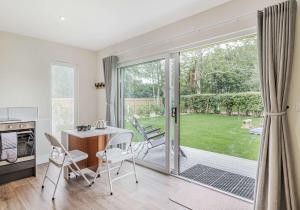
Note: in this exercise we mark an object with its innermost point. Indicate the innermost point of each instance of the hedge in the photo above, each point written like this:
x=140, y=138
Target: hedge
x=247, y=103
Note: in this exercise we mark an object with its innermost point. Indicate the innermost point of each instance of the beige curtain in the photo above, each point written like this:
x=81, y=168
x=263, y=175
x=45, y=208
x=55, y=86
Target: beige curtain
x=110, y=77
x=276, y=29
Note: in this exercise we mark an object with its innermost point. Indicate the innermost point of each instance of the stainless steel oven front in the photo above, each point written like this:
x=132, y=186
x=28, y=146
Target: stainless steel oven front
x=24, y=164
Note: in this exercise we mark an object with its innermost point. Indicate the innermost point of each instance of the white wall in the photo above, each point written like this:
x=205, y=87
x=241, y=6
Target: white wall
x=25, y=79
x=243, y=16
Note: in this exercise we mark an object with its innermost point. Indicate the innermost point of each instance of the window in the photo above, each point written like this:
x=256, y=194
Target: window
x=62, y=97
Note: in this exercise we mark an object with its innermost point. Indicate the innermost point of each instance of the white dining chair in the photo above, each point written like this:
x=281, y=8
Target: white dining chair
x=117, y=150
x=60, y=158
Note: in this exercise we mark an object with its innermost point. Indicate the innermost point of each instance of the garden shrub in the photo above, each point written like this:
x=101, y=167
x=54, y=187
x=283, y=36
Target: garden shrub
x=241, y=103
x=228, y=101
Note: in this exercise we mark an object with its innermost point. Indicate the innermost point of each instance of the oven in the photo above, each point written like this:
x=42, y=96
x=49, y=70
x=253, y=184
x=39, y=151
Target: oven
x=21, y=146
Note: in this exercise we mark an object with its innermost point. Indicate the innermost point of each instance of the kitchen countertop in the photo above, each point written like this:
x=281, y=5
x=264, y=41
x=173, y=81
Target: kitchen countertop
x=5, y=121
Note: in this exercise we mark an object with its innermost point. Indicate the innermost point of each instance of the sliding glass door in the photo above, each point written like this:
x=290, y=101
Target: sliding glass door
x=143, y=105
x=198, y=114
x=218, y=110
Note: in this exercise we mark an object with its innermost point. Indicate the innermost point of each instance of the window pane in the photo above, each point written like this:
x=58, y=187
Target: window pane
x=144, y=109
x=62, y=82
x=62, y=98
x=221, y=113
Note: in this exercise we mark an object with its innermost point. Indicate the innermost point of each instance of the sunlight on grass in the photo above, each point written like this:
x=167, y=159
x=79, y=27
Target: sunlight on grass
x=215, y=133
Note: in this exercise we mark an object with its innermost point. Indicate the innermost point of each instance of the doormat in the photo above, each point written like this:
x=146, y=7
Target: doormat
x=236, y=184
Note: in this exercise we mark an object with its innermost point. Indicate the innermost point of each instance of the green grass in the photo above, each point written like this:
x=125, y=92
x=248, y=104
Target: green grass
x=216, y=133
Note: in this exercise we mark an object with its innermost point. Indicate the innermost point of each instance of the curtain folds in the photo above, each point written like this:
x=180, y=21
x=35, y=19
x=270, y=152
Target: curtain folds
x=110, y=77
x=275, y=36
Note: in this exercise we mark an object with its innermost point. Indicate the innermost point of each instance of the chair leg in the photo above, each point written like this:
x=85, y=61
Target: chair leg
x=56, y=184
x=47, y=169
x=133, y=163
x=43, y=185
x=141, y=149
x=82, y=174
x=146, y=153
x=72, y=170
x=109, y=178
x=182, y=153
x=148, y=146
x=97, y=174
x=120, y=167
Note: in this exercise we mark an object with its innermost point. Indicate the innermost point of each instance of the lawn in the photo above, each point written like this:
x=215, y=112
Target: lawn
x=216, y=133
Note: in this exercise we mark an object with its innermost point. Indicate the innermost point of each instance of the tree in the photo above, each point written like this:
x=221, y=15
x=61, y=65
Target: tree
x=220, y=68
x=228, y=67
x=145, y=80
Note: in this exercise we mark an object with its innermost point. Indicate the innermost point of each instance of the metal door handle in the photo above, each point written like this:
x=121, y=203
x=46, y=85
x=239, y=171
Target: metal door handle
x=174, y=113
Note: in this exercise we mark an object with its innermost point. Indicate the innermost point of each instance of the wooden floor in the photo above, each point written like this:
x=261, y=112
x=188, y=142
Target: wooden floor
x=151, y=193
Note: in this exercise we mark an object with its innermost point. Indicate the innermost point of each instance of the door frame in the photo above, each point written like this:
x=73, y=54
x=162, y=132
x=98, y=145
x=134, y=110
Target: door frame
x=176, y=79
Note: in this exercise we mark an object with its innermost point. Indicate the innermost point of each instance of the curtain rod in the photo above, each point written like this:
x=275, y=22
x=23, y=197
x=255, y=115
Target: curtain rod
x=236, y=19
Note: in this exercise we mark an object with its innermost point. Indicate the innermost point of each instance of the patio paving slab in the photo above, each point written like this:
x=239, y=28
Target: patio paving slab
x=194, y=156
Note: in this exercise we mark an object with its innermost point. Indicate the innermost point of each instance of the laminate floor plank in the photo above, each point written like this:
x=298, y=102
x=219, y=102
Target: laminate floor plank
x=151, y=193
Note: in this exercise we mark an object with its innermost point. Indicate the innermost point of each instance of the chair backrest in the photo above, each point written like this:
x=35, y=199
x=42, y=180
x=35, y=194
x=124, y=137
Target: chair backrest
x=133, y=122
x=55, y=143
x=139, y=127
x=123, y=139
x=136, y=122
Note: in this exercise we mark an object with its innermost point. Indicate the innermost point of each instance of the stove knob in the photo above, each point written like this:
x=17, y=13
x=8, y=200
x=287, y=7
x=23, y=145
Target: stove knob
x=10, y=127
x=21, y=126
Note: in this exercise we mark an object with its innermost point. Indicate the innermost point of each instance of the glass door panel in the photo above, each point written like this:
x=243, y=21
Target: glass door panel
x=143, y=106
x=220, y=116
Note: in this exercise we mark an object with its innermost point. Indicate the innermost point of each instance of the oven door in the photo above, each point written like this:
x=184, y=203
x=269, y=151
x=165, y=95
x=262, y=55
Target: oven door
x=25, y=143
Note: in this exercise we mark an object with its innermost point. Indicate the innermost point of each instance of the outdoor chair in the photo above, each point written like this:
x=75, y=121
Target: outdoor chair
x=153, y=137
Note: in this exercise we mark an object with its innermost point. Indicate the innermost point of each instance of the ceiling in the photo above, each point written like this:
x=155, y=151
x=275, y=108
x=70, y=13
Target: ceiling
x=94, y=24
